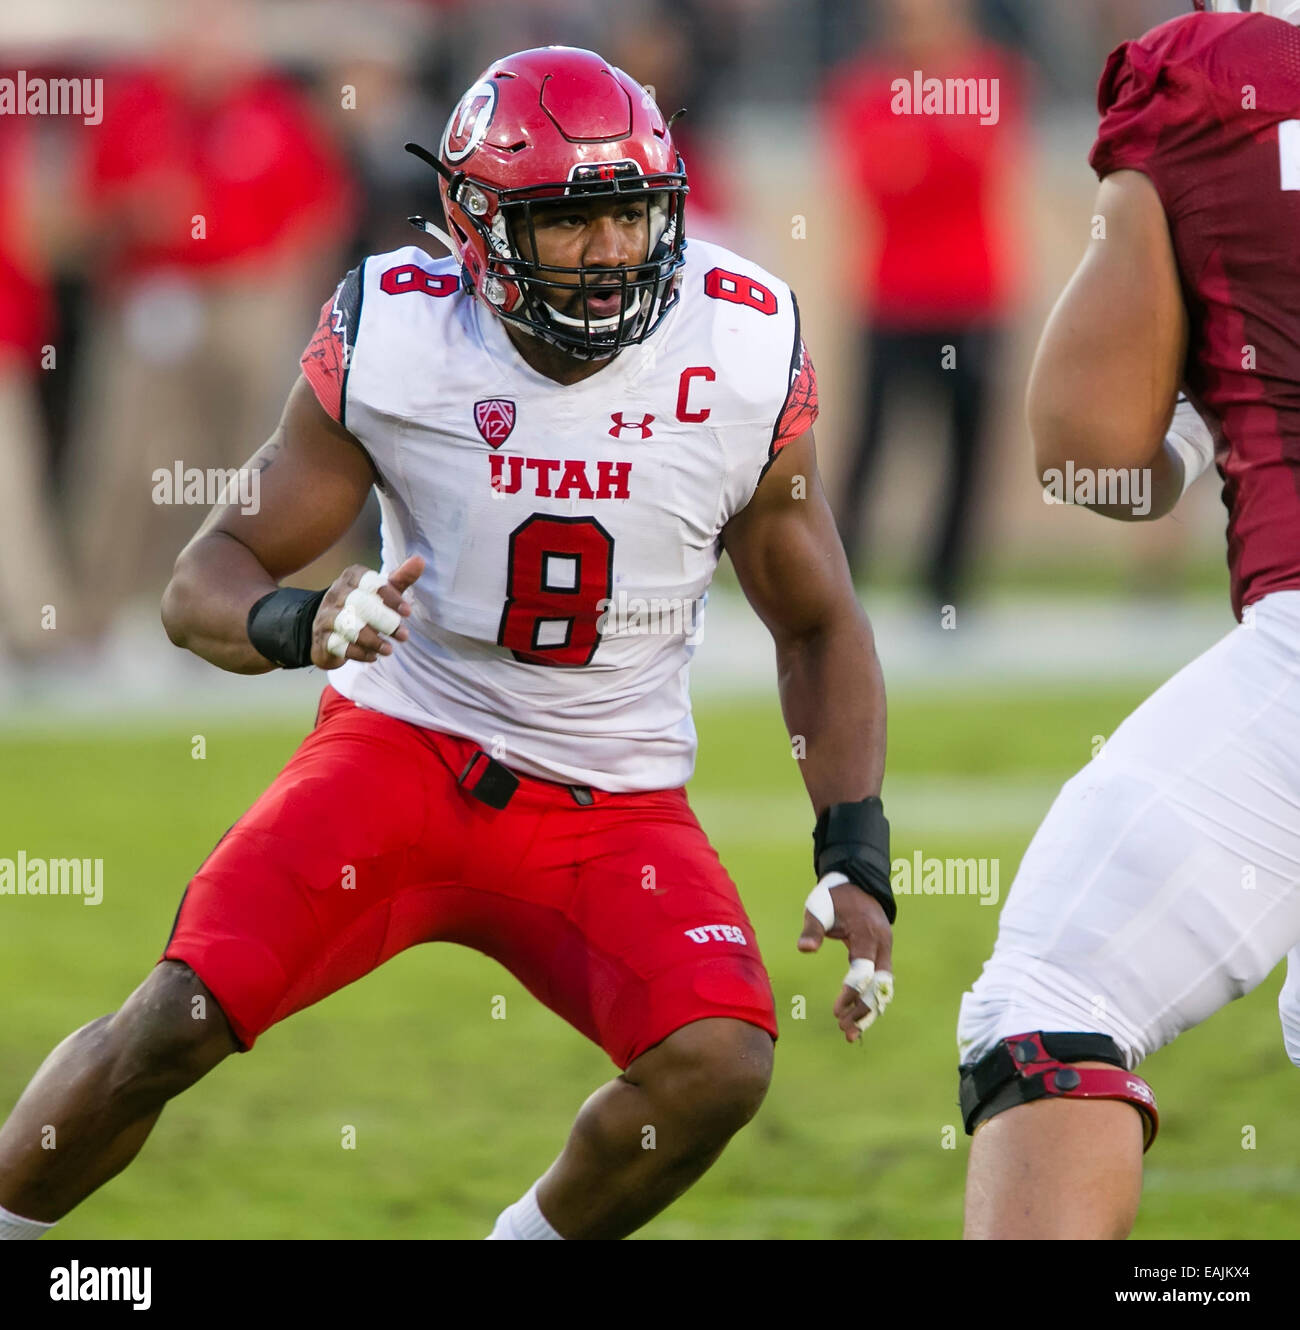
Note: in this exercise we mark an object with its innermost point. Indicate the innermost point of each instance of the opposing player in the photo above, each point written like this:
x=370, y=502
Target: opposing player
x=567, y=422
x=1164, y=881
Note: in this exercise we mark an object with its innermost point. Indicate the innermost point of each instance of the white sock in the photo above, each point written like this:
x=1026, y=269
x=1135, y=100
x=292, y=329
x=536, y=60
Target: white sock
x=14, y=1228
x=523, y=1221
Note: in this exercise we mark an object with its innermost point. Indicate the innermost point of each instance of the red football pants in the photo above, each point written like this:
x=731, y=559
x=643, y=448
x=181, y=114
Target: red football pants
x=617, y=915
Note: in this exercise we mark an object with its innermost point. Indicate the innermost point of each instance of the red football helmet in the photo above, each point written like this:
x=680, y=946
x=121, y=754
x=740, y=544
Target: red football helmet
x=552, y=123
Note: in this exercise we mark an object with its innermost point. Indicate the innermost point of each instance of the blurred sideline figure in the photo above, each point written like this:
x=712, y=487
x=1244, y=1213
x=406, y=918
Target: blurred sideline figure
x=214, y=203
x=935, y=280
x=34, y=586
x=676, y=48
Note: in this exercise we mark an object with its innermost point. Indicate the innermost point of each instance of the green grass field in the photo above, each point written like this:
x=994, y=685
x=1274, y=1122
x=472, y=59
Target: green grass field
x=456, y=1113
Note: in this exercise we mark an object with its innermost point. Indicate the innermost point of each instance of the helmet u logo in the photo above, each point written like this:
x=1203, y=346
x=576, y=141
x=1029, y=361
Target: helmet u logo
x=469, y=122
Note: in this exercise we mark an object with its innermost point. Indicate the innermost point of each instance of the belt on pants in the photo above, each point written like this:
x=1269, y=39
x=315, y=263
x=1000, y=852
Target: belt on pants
x=491, y=783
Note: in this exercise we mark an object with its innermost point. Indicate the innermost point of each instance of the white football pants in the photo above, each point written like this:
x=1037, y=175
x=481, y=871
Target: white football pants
x=1165, y=879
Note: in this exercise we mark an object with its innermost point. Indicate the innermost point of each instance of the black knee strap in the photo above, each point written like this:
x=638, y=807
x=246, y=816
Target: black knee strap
x=1033, y=1066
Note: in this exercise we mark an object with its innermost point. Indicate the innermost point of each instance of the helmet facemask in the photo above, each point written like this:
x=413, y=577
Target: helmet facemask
x=523, y=291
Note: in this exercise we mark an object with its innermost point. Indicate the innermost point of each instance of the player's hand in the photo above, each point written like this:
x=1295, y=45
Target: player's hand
x=369, y=626
x=860, y=923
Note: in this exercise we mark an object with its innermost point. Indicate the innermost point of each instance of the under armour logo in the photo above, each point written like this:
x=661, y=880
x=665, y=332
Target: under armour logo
x=620, y=425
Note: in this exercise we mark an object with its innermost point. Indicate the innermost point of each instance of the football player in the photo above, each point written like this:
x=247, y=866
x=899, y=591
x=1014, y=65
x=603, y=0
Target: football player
x=1163, y=882
x=567, y=421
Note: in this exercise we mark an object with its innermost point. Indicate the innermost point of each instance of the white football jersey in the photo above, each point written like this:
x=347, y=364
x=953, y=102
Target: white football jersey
x=569, y=532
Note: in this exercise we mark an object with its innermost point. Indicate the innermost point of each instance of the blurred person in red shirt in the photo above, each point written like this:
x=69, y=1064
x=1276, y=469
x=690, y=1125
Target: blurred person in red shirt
x=214, y=199
x=674, y=47
x=929, y=164
x=34, y=587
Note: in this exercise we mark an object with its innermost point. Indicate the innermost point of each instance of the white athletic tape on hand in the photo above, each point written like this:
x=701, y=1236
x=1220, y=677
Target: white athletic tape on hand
x=372, y=610
x=875, y=987
x=877, y=993
x=819, y=903
x=348, y=623
x=361, y=608
x=861, y=975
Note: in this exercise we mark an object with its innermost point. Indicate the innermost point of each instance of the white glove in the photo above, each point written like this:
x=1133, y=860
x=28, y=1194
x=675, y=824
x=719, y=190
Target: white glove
x=362, y=608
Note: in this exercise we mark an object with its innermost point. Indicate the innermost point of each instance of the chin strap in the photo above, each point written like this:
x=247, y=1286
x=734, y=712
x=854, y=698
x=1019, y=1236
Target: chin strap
x=599, y=325
x=424, y=224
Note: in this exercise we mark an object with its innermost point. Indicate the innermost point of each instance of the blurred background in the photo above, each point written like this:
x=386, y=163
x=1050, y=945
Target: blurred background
x=926, y=253
x=128, y=342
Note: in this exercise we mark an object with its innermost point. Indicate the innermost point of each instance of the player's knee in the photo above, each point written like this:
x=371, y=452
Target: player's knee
x=1005, y=1001
x=715, y=1073
x=168, y=1034
x=1037, y=1065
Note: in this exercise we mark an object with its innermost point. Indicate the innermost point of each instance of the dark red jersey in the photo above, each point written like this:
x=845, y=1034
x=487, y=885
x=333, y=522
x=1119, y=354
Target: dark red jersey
x=1208, y=108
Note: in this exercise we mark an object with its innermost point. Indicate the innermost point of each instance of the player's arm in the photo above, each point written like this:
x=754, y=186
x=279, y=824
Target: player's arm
x=313, y=478
x=1108, y=368
x=791, y=566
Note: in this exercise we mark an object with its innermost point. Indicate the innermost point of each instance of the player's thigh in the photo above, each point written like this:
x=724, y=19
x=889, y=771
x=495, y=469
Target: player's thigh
x=1162, y=883
x=644, y=931
x=328, y=875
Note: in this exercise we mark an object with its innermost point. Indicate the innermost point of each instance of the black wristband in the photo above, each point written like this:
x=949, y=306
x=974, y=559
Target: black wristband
x=853, y=839
x=280, y=624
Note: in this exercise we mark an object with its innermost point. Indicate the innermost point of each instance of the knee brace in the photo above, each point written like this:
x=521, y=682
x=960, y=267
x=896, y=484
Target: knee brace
x=1033, y=1066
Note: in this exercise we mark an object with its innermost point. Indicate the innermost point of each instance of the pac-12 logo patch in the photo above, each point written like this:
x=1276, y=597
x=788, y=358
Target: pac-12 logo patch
x=495, y=418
